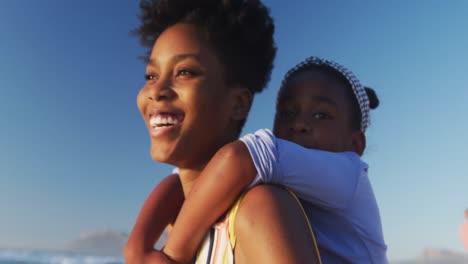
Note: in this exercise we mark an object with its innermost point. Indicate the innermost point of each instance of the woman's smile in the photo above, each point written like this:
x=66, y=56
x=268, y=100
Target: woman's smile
x=163, y=122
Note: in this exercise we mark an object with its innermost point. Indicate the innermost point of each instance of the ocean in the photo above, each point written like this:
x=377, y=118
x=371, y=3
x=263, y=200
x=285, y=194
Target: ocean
x=14, y=256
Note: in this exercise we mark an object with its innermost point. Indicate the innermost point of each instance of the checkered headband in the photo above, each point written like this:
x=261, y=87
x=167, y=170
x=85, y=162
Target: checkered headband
x=358, y=89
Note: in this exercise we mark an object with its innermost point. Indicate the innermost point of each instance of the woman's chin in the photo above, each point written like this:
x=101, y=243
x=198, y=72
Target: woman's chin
x=160, y=154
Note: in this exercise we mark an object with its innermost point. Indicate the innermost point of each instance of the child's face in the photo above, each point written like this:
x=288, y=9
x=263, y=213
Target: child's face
x=313, y=111
x=185, y=101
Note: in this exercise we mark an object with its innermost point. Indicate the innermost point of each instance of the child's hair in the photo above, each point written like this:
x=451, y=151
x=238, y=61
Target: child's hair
x=240, y=31
x=362, y=98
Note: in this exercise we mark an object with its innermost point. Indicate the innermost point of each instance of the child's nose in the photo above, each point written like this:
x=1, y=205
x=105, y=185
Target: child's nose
x=300, y=125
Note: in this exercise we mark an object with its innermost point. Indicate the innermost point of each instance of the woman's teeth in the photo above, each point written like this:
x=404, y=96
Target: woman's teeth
x=163, y=120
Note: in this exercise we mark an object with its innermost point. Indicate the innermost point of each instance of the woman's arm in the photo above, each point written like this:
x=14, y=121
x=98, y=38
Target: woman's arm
x=271, y=227
x=160, y=208
x=229, y=171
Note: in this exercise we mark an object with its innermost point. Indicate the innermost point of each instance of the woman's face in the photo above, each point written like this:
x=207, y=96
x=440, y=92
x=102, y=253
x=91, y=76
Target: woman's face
x=313, y=111
x=185, y=102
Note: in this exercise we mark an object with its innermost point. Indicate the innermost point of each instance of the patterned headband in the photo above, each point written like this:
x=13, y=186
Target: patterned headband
x=358, y=89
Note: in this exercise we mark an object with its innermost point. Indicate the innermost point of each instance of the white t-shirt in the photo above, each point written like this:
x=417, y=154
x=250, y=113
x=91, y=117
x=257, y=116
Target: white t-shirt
x=335, y=191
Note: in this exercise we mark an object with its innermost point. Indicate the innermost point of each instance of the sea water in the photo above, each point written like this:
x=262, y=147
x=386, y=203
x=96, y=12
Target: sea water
x=15, y=256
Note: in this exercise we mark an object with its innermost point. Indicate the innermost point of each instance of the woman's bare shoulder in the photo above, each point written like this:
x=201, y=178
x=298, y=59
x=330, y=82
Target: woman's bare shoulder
x=264, y=203
x=271, y=227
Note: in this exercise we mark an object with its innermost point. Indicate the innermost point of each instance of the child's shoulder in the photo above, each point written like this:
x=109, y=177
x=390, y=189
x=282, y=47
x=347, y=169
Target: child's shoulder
x=263, y=132
x=262, y=136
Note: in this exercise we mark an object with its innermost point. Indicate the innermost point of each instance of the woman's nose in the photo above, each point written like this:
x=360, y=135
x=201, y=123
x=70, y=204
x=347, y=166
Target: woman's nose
x=160, y=90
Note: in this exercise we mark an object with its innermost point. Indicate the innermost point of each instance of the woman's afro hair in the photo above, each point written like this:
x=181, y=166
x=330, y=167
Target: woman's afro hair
x=240, y=31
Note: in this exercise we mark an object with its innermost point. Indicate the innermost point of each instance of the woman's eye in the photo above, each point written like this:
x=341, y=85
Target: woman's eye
x=185, y=73
x=150, y=77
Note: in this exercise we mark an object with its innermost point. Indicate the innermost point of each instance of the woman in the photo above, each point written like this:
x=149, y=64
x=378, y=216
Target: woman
x=208, y=59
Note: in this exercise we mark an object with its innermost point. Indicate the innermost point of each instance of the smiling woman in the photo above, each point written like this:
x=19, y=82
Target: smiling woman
x=207, y=60
x=181, y=87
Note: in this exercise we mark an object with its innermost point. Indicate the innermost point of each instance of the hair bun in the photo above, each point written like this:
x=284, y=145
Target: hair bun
x=373, y=99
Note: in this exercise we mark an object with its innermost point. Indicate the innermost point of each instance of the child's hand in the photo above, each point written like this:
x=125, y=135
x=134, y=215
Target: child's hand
x=159, y=257
x=150, y=257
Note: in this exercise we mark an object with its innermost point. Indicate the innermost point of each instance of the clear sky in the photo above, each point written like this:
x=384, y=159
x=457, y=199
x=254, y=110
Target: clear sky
x=74, y=152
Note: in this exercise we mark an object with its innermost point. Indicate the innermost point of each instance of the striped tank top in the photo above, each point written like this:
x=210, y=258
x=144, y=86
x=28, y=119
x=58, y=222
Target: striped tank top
x=219, y=243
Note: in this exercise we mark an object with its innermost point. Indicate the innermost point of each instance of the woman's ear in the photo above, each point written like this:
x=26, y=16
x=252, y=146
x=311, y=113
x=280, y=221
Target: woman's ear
x=242, y=101
x=358, y=142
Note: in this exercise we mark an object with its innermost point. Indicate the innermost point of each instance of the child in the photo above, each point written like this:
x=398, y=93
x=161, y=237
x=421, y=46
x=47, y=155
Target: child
x=464, y=231
x=322, y=114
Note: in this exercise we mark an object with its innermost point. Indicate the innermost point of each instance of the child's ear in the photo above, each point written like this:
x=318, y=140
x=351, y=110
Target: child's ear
x=358, y=142
x=242, y=102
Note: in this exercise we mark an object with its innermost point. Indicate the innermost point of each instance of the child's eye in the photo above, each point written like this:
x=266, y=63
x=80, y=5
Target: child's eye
x=286, y=113
x=321, y=115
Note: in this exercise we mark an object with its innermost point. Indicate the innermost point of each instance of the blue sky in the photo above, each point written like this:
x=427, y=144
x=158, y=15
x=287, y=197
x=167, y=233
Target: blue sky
x=74, y=152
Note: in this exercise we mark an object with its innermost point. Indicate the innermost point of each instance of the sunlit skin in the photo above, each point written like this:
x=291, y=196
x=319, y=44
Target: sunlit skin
x=314, y=111
x=180, y=87
x=191, y=112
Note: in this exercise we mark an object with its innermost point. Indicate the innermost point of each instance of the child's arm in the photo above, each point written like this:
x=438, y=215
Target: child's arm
x=319, y=176
x=160, y=208
x=229, y=171
x=324, y=178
